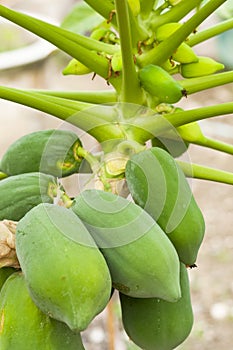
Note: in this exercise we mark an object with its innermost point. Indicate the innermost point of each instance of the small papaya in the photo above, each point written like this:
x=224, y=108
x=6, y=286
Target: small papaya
x=157, y=184
x=160, y=84
x=140, y=257
x=184, y=54
x=65, y=272
x=75, y=67
x=204, y=66
x=165, y=30
x=155, y=324
x=24, y=326
x=20, y=193
x=47, y=151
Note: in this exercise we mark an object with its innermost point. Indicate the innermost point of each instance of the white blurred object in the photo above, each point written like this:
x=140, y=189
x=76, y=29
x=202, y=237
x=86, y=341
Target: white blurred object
x=219, y=311
x=34, y=52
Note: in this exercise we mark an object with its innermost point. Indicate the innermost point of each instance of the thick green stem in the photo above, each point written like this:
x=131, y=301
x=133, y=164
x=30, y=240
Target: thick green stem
x=215, y=144
x=164, y=50
x=193, y=85
x=97, y=97
x=105, y=8
x=157, y=124
x=82, y=40
x=211, y=32
x=130, y=91
x=206, y=173
x=97, y=63
x=175, y=14
x=147, y=6
x=83, y=119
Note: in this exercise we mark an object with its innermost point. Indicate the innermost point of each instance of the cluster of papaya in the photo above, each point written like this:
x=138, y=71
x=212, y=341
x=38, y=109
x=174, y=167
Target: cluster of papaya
x=71, y=259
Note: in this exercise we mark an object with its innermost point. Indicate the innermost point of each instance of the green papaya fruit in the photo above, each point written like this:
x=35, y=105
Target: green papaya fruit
x=22, y=192
x=5, y=272
x=155, y=324
x=204, y=66
x=140, y=257
x=66, y=274
x=160, y=84
x=46, y=151
x=75, y=67
x=165, y=30
x=157, y=184
x=184, y=54
x=24, y=326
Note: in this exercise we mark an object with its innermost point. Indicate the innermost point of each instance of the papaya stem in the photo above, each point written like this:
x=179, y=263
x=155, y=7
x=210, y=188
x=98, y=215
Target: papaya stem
x=94, y=97
x=206, y=173
x=194, y=85
x=215, y=144
x=209, y=33
x=164, y=50
x=81, y=152
x=130, y=91
x=175, y=14
x=155, y=125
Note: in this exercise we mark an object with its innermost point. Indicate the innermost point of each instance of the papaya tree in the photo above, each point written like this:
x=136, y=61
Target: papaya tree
x=138, y=230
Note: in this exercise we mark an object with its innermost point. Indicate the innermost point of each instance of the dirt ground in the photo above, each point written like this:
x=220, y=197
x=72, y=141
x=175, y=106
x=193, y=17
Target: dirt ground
x=211, y=281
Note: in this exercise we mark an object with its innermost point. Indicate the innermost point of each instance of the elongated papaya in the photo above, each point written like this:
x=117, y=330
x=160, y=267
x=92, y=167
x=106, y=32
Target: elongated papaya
x=155, y=324
x=66, y=274
x=158, y=185
x=24, y=326
x=141, y=259
x=20, y=193
x=47, y=151
x=160, y=84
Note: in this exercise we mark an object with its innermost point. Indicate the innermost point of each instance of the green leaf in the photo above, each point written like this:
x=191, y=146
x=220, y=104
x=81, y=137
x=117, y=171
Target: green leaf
x=81, y=19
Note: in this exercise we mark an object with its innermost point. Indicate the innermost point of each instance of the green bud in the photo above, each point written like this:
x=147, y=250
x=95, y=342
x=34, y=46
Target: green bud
x=185, y=54
x=164, y=31
x=76, y=68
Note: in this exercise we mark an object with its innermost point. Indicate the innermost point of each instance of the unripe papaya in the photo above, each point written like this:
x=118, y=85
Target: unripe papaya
x=24, y=326
x=47, y=151
x=204, y=66
x=65, y=272
x=76, y=68
x=116, y=62
x=142, y=261
x=184, y=54
x=158, y=185
x=20, y=193
x=167, y=29
x=160, y=84
x=155, y=324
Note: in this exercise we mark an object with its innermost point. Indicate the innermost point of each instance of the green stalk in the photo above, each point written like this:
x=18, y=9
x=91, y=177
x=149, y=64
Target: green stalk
x=147, y=6
x=193, y=85
x=81, y=40
x=175, y=14
x=211, y=32
x=164, y=50
x=130, y=91
x=97, y=97
x=97, y=63
x=206, y=173
x=84, y=120
x=105, y=8
x=90, y=158
x=157, y=124
x=215, y=144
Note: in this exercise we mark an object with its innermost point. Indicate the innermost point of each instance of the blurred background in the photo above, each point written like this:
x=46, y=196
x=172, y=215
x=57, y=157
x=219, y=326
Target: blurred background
x=212, y=282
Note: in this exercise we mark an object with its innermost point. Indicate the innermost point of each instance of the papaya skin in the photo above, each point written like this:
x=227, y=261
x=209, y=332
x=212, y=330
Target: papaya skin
x=46, y=151
x=140, y=258
x=158, y=185
x=155, y=324
x=20, y=193
x=51, y=241
x=25, y=327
